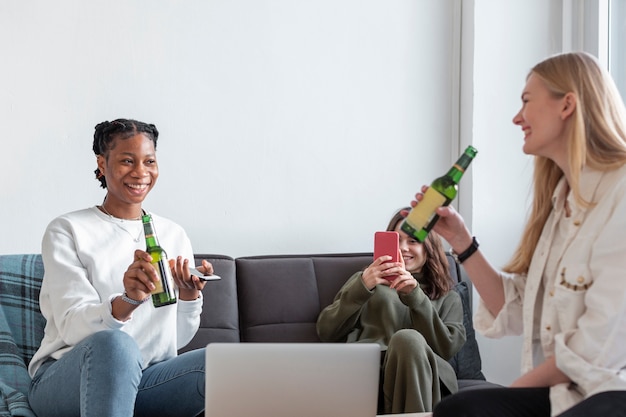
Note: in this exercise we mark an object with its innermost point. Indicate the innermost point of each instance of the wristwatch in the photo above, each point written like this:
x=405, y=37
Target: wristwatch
x=462, y=257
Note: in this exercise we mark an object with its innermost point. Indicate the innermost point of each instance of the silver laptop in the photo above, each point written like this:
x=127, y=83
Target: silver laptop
x=292, y=379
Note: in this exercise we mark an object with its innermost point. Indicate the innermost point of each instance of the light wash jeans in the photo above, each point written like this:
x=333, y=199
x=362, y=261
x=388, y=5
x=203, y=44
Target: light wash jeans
x=102, y=377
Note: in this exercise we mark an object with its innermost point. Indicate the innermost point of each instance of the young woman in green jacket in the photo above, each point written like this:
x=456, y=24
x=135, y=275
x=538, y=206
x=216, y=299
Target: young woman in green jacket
x=416, y=318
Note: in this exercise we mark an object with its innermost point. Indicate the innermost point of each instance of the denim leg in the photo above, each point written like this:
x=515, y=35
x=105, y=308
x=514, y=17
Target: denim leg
x=97, y=378
x=174, y=387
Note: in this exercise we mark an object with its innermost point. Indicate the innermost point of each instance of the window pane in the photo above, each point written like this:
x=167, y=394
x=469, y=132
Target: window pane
x=617, y=40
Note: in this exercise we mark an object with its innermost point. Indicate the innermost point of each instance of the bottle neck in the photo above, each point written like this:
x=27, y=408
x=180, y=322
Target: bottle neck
x=148, y=229
x=458, y=169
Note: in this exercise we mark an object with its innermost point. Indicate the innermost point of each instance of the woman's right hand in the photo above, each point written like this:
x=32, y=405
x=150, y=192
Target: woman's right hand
x=379, y=269
x=140, y=276
x=450, y=225
x=138, y=282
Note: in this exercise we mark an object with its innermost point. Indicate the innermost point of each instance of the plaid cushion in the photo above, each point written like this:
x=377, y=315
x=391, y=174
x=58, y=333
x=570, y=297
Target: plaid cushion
x=21, y=328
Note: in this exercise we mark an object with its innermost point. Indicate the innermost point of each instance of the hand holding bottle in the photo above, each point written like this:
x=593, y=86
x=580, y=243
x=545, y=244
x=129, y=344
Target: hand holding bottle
x=420, y=220
x=140, y=278
x=450, y=225
x=139, y=281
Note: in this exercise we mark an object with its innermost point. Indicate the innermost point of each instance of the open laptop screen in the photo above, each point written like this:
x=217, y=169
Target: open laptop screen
x=292, y=379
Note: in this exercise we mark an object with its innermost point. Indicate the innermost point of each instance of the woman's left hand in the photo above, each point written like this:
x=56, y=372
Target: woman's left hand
x=404, y=283
x=188, y=285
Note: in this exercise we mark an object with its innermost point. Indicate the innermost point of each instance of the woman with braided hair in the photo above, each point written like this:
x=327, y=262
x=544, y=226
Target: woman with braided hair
x=105, y=350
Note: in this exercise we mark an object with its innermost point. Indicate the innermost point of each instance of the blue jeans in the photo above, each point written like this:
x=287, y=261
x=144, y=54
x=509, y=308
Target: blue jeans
x=102, y=377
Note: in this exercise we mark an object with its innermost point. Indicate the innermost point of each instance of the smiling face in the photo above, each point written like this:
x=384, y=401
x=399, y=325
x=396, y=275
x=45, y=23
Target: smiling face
x=412, y=251
x=543, y=119
x=131, y=170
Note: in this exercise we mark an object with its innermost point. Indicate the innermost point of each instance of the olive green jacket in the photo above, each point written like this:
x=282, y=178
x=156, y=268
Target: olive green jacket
x=360, y=315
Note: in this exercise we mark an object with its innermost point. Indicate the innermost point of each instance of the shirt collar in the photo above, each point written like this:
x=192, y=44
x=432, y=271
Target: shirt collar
x=589, y=181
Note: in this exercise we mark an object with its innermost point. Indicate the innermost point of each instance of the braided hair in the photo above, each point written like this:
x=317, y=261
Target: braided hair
x=106, y=132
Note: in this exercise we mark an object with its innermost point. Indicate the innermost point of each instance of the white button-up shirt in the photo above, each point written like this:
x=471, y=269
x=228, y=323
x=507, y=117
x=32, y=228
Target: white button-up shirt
x=572, y=302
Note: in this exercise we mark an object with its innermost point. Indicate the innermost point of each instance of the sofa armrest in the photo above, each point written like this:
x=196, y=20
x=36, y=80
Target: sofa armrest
x=219, y=321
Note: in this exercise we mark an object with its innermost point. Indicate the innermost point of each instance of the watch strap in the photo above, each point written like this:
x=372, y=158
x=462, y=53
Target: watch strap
x=462, y=257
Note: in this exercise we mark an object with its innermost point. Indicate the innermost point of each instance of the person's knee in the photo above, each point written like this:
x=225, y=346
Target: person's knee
x=115, y=347
x=453, y=406
x=407, y=340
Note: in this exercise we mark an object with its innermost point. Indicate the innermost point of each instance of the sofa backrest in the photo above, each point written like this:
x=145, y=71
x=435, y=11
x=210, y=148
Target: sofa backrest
x=280, y=296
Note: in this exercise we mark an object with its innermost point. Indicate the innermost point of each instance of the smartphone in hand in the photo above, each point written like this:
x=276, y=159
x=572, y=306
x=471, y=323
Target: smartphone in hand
x=387, y=243
x=202, y=277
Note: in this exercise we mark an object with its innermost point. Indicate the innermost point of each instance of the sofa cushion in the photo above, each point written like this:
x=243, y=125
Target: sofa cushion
x=467, y=362
x=21, y=328
x=14, y=378
x=278, y=300
x=20, y=284
x=220, y=317
x=280, y=296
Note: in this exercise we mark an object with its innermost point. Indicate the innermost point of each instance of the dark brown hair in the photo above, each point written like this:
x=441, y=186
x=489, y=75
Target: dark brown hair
x=437, y=279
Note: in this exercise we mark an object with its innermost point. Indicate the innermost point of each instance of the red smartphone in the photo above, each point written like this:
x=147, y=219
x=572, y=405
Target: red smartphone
x=387, y=243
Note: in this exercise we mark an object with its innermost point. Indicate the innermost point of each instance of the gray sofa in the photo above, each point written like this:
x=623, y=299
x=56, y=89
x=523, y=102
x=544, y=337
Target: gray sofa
x=277, y=298
x=273, y=298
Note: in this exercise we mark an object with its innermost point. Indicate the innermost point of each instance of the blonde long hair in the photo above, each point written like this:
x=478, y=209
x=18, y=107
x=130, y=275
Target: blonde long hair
x=597, y=139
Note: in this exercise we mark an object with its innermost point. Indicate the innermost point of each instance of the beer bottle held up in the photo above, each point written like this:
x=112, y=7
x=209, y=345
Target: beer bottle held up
x=163, y=294
x=441, y=192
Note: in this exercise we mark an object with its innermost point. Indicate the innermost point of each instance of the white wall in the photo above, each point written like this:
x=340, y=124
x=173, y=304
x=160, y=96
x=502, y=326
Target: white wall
x=509, y=38
x=286, y=127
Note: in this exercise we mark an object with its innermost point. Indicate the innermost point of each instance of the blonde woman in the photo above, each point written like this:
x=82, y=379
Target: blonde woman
x=564, y=289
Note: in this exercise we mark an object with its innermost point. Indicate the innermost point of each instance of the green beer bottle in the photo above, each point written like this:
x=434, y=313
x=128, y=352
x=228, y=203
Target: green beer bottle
x=440, y=193
x=164, y=293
